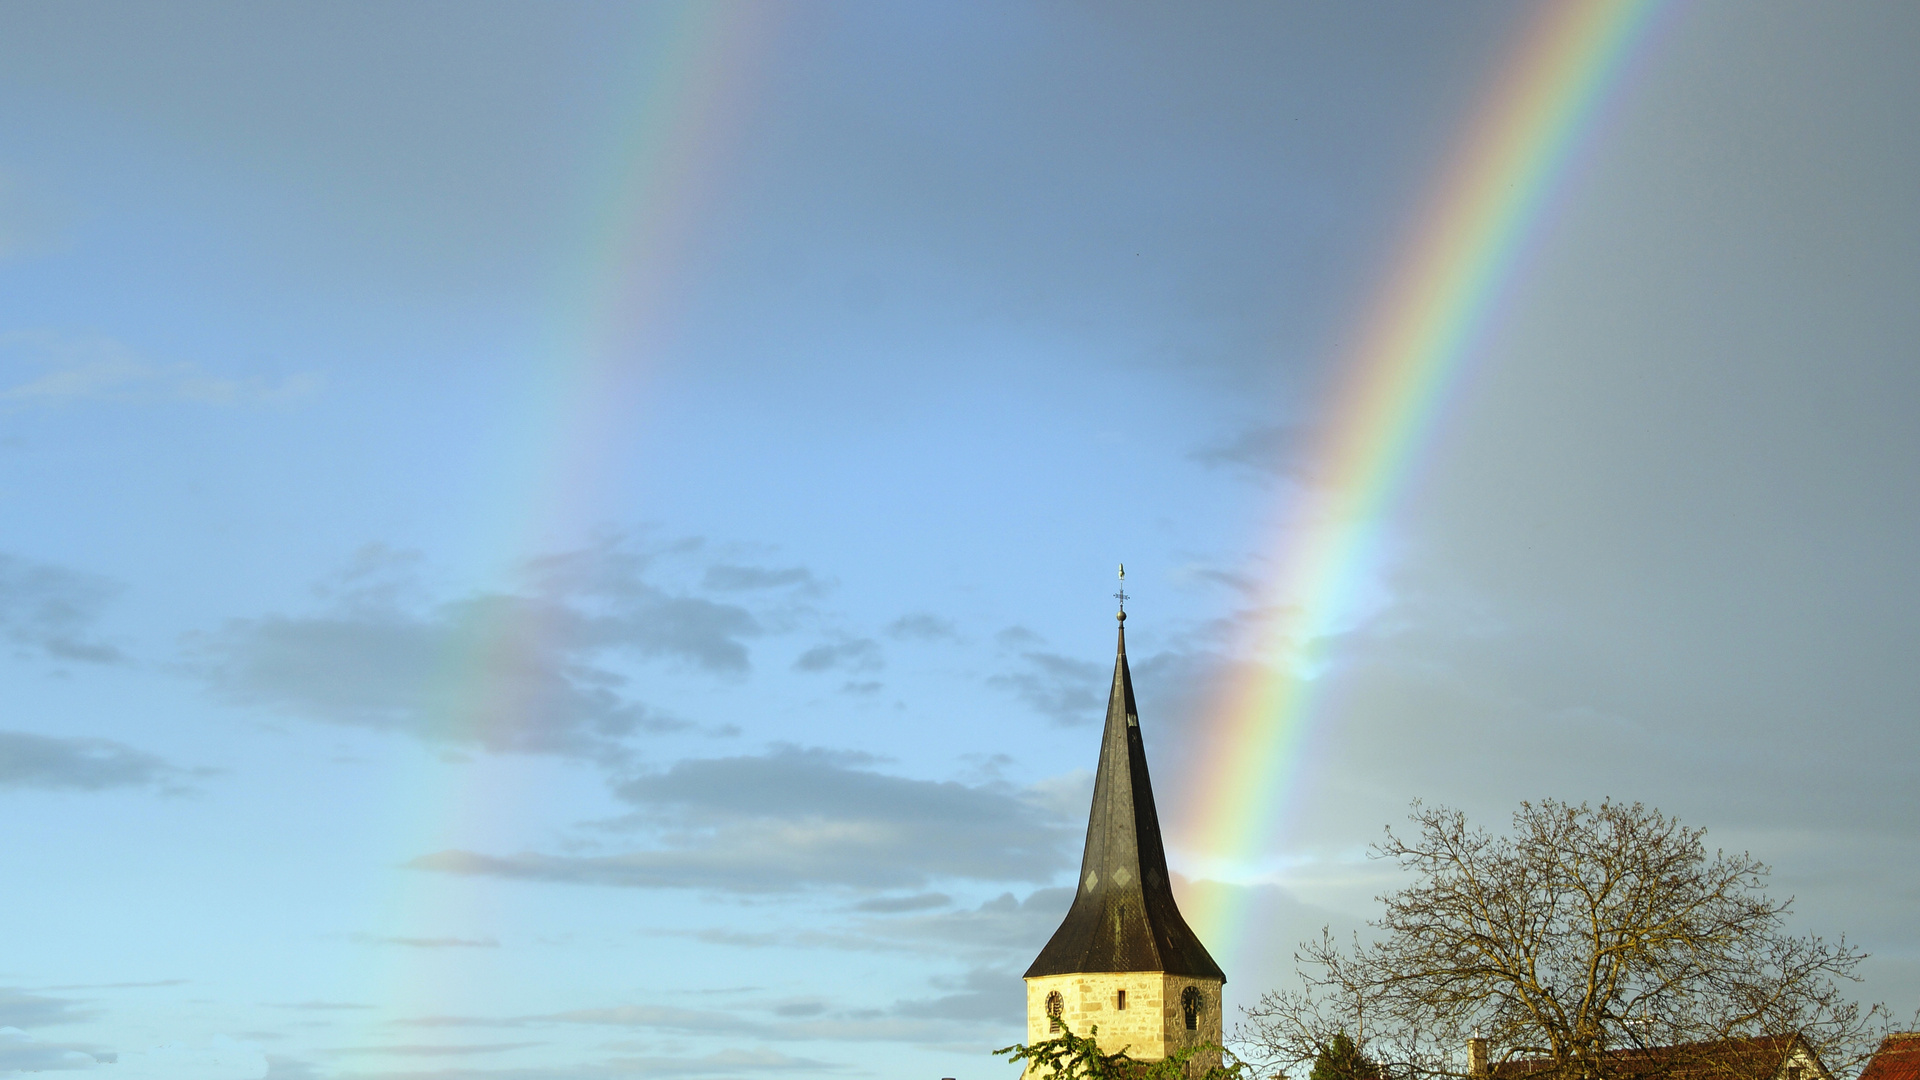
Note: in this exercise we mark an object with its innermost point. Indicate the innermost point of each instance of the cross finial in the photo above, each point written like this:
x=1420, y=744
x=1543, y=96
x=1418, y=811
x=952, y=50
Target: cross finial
x=1122, y=594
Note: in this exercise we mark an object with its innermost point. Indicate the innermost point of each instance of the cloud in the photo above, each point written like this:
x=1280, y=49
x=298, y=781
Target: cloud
x=887, y=905
x=428, y=942
x=979, y=997
x=120, y=985
x=49, y=610
x=221, y=1058
x=1272, y=450
x=920, y=626
x=76, y=369
x=658, y=1016
x=1003, y=927
x=730, y=577
x=522, y=672
x=434, y=1050
x=78, y=764
x=794, y=819
x=721, y=1062
x=22, y=1053
x=857, y=654
x=33, y=216
x=21, y=1009
x=1065, y=689
x=984, y=994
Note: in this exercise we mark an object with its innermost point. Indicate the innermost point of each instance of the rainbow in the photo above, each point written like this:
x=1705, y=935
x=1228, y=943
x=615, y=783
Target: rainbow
x=691, y=79
x=1418, y=336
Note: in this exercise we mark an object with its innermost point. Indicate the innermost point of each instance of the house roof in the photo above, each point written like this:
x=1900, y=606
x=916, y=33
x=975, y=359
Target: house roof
x=1123, y=916
x=1897, y=1059
x=1758, y=1058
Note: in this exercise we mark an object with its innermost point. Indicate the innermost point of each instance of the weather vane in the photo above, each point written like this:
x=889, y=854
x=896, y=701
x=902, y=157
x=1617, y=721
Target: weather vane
x=1122, y=594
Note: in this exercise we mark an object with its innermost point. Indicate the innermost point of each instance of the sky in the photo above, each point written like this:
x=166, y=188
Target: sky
x=576, y=541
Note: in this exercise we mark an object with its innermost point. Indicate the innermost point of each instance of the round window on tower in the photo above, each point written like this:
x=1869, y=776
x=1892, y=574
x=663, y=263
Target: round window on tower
x=1191, y=1004
x=1055, y=1006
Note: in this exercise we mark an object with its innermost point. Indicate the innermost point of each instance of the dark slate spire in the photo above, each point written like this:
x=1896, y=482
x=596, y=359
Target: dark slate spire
x=1123, y=916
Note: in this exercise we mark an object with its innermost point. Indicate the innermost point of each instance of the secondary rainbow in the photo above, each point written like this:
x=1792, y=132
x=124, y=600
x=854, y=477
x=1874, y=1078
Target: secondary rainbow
x=691, y=70
x=1417, y=338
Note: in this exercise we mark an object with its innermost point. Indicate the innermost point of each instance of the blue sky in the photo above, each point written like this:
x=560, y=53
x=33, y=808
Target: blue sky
x=966, y=305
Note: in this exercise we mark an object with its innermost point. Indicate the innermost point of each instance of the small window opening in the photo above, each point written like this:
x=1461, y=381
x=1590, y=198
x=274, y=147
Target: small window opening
x=1120, y=1000
x=1191, y=1003
x=1055, y=1006
x=1793, y=1072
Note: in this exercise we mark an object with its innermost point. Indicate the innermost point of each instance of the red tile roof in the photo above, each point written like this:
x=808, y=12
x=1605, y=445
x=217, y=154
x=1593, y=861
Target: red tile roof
x=1897, y=1059
x=1757, y=1058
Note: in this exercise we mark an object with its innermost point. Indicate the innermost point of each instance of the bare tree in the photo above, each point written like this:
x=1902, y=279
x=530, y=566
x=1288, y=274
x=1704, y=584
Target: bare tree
x=1587, y=936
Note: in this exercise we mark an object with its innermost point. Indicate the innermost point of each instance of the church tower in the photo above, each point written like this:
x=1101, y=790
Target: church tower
x=1124, y=958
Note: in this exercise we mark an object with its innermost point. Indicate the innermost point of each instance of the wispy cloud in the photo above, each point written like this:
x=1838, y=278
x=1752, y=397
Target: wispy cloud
x=1064, y=689
x=734, y=577
x=431, y=1050
x=1270, y=450
x=49, y=611
x=428, y=942
x=22, y=1053
x=794, y=819
x=523, y=671
x=76, y=369
x=21, y=1009
x=79, y=764
x=851, y=654
x=921, y=626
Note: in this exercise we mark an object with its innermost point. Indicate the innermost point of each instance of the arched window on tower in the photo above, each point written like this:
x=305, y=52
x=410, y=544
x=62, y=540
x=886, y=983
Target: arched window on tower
x=1191, y=1002
x=1056, y=1005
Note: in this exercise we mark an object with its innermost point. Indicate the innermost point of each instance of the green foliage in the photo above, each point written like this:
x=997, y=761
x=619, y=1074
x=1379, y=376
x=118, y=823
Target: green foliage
x=1340, y=1059
x=1074, y=1057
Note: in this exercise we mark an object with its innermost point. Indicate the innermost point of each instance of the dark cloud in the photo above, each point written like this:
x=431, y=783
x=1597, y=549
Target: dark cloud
x=78, y=764
x=524, y=672
x=920, y=626
x=857, y=654
x=49, y=611
x=1065, y=689
x=796, y=818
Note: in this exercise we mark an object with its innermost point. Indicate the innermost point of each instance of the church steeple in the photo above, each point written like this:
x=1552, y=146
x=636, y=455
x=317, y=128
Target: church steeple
x=1123, y=916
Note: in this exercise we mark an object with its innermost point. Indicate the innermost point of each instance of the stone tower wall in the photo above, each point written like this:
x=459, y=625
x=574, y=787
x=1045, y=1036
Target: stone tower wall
x=1152, y=1025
